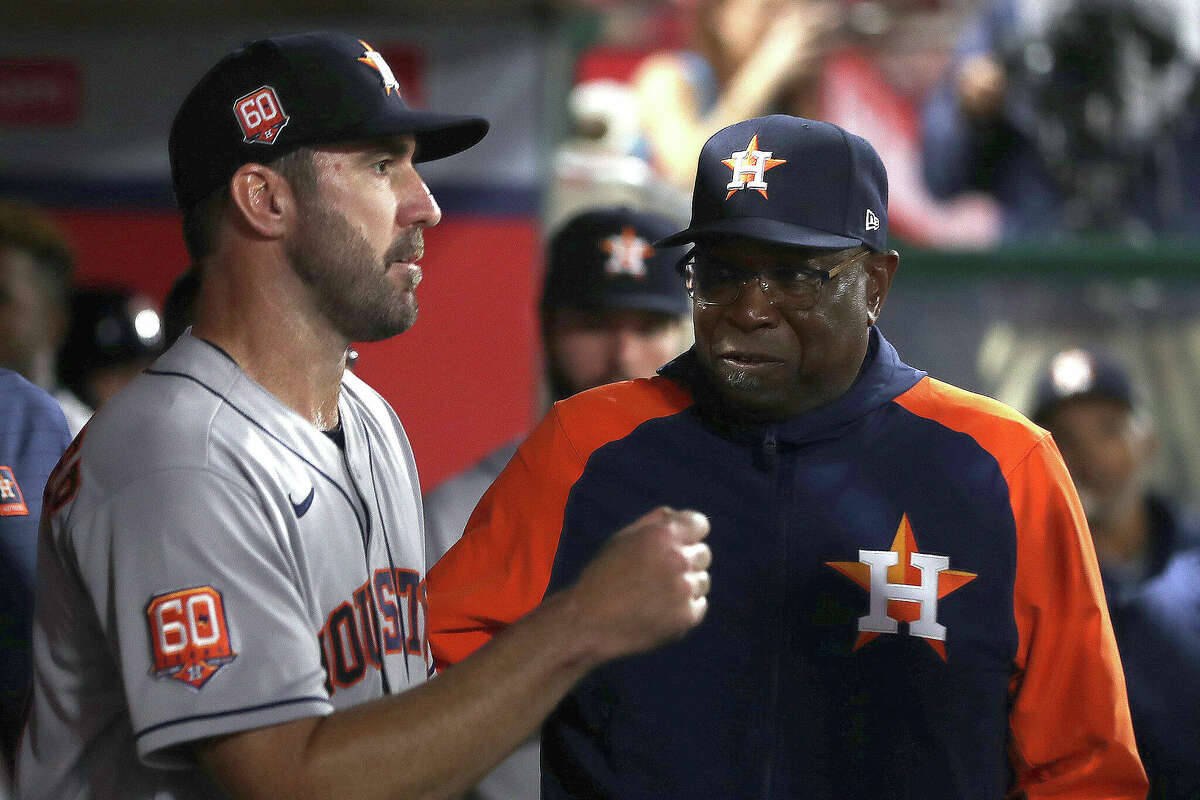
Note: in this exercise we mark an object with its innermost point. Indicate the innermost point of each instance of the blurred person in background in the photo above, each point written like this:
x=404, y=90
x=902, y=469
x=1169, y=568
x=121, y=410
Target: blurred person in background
x=33, y=435
x=866, y=65
x=751, y=57
x=114, y=334
x=1148, y=553
x=36, y=266
x=613, y=308
x=1079, y=117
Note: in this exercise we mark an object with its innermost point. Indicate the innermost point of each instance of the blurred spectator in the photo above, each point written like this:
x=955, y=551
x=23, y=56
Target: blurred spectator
x=597, y=164
x=1079, y=117
x=114, y=335
x=33, y=435
x=35, y=283
x=751, y=57
x=1148, y=557
x=863, y=64
x=612, y=308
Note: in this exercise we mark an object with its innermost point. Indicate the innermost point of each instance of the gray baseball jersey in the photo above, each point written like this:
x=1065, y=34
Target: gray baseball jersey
x=210, y=563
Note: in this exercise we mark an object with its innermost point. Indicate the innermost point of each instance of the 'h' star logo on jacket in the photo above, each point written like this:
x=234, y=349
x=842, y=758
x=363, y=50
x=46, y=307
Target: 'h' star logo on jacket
x=905, y=586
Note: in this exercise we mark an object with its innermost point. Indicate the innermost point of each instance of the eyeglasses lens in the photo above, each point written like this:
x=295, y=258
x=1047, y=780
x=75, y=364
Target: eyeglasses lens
x=719, y=284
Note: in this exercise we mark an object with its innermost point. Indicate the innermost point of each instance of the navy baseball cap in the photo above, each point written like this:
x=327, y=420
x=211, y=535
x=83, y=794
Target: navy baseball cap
x=274, y=95
x=789, y=181
x=1079, y=373
x=604, y=259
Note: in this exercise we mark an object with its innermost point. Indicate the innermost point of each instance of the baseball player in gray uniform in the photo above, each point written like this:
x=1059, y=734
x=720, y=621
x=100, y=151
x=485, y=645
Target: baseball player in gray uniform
x=231, y=563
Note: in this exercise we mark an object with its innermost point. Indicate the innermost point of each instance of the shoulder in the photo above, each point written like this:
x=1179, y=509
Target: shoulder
x=157, y=422
x=998, y=428
x=591, y=419
x=26, y=405
x=620, y=404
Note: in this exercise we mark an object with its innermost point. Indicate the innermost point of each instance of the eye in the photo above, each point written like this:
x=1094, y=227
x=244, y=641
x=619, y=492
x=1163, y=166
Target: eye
x=383, y=166
x=793, y=275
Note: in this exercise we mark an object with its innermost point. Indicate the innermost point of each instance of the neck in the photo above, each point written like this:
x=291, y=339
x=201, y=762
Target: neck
x=265, y=318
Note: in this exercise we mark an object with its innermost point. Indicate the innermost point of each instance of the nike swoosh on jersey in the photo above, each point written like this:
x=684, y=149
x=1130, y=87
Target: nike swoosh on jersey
x=301, y=508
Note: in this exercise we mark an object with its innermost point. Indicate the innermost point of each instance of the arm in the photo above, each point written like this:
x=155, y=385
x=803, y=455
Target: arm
x=964, y=135
x=672, y=118
x=437, y=740
x=1072, y=737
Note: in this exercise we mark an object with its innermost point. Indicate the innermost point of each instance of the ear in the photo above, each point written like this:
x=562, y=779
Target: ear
x=880, y=269
x=262, y=200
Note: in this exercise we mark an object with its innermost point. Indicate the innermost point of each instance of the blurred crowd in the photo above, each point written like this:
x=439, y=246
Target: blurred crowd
x=1001, y=121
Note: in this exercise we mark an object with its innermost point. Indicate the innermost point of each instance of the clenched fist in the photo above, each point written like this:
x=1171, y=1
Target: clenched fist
x=649, y=583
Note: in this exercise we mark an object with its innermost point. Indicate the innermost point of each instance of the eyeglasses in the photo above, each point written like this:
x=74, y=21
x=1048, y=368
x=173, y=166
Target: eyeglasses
x=711, y=282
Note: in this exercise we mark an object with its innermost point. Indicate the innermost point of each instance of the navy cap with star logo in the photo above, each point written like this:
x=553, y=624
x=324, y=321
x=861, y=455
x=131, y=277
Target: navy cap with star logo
x=274, y=95
x=1080, y=373
x=789, y=181
x=604, y=259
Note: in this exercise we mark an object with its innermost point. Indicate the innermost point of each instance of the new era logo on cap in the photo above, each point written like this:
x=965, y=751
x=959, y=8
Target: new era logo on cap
x=832, y=193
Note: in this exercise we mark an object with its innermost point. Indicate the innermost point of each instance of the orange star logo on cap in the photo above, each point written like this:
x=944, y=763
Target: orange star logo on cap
x=374, y=59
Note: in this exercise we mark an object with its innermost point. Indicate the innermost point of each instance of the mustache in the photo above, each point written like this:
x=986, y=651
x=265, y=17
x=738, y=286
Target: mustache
x=409, y=248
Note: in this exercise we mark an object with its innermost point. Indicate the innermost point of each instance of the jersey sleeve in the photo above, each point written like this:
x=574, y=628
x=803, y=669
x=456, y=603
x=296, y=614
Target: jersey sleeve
x=197, y=595
x=500, y=568
x=1072, y=737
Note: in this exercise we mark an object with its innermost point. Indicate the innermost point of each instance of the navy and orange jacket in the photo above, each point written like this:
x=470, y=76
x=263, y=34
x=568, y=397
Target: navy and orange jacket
x=820, y=671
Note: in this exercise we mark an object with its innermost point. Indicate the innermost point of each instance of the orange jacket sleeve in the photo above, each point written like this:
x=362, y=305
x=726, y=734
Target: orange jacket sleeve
x=498, y=571
x=1072, y=737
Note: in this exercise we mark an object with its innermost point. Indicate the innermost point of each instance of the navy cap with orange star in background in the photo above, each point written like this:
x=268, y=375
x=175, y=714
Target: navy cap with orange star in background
x=603, y=259
x=274, y=95
x=789, y=181
x=1076, y=374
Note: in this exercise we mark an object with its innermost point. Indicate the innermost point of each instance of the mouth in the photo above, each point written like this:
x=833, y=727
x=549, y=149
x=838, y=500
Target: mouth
x=748, y=359
x=410, y=272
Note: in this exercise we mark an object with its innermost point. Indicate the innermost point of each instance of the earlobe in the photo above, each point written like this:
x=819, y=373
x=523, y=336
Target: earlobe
x=880, y=271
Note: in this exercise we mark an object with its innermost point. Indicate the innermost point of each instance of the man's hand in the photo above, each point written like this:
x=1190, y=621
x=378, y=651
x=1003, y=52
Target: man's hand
x=646, y=586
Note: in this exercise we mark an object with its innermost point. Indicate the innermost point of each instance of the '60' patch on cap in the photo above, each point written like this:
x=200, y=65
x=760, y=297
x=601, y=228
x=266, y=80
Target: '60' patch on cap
x=260, y=115
x=188, y=635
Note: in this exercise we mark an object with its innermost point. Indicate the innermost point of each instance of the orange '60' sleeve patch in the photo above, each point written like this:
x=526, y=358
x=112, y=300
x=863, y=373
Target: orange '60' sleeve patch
x=188, y=635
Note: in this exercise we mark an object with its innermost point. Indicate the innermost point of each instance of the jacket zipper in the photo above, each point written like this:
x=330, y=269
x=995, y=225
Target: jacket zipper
x=770, y=450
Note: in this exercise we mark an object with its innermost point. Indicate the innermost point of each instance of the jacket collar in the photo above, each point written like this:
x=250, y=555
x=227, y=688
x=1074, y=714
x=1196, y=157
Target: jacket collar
x=882, y=378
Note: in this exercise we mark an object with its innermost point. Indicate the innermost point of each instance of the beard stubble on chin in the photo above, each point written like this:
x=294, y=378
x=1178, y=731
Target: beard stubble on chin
x=351, y=285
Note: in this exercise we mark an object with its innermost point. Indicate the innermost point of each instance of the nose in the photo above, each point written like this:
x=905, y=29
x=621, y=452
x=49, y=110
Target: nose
x=416, y=204
x=753, y=307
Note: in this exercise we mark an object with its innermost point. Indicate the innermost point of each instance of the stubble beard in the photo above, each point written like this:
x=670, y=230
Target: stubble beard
x=350, y=284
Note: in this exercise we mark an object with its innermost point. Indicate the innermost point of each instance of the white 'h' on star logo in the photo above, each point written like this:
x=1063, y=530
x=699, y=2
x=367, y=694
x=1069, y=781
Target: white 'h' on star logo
x=926, y=593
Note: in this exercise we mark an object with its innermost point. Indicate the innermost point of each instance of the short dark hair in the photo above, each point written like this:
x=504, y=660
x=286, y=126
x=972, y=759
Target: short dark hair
x=201, y=218
x=24, y=226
